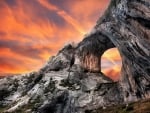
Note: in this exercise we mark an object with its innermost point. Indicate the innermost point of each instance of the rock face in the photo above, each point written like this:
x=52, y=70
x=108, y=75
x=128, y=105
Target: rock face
x=127, y=26
x=72, y=81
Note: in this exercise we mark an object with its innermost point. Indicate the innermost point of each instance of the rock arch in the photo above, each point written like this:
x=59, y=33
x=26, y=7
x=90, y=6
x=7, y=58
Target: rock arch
x=126, y=26
x=91, y=49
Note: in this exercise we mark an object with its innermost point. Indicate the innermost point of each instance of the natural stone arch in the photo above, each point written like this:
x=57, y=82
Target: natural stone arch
x=90, y=50
x=126, y=26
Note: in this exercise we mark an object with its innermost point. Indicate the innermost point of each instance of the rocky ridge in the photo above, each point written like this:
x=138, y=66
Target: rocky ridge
x=72, y=81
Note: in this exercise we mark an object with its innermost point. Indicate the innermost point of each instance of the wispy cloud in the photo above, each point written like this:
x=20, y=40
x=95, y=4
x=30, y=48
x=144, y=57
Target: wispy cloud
x=64, y=15
x=33, y=30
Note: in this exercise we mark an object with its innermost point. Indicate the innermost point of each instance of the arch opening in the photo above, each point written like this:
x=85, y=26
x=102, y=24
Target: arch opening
x=111, y=64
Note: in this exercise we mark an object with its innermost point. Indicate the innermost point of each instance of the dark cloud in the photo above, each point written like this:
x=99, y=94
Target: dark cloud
x=11, y=3
x=33, y=30
x=42, y=13
x=5, y=60
x=62, y=4
x=23, y=49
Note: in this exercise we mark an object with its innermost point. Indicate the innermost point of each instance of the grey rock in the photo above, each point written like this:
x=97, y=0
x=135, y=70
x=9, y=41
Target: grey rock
x=72, y=81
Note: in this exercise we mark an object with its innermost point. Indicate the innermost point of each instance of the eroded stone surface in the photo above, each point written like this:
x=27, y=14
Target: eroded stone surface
x=72, y=82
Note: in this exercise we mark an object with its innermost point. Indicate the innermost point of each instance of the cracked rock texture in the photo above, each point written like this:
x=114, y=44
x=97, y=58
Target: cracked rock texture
x=72, y=81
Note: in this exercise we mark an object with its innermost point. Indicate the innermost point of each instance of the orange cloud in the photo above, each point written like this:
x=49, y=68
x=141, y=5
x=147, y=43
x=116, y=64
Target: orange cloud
x=64, y=15
x=87, y=11
x=32, y=31
x=15, y=63
x=111, y=63
x=113, y=72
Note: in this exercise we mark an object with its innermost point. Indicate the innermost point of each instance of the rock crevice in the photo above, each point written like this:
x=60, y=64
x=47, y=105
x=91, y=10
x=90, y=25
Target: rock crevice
x=72, y=81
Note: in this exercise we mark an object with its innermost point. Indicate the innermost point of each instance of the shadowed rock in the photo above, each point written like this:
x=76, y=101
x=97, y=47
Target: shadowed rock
x=72, y=81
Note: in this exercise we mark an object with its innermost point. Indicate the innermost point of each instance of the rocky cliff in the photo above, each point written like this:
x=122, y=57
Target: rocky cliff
x=72, y=81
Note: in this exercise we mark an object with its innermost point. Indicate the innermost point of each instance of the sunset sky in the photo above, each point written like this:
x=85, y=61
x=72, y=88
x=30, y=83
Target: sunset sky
x=33, y=30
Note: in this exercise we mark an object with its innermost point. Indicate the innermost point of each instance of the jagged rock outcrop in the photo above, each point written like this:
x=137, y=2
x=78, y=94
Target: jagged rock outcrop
x=127, y=26
x=72, y=81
